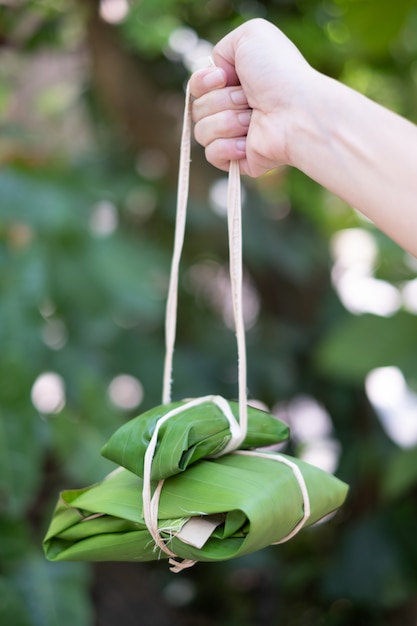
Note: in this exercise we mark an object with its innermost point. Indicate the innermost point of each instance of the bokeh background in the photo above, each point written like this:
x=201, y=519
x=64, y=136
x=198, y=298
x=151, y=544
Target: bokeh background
x=91, y=100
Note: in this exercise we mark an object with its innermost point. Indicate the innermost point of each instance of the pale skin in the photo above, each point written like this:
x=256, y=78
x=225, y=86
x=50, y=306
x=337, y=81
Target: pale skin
x=264, y=105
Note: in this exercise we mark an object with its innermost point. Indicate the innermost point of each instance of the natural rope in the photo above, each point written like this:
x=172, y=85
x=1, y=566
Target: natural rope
x=150, y=502
x=301, y=483
x=234, y=213
x=181, y=215
x=238, y=429
x=234, y=223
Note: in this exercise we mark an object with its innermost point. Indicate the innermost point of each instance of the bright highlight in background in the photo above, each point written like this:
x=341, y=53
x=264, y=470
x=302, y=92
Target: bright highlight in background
x=218, y=196
x=114, y=11
x=48, y=393
x=409, y=294
x=312, y=429
x=355, y=252
x=395, y=404
x=126, y=392
x=104, y=219
x=184, y=45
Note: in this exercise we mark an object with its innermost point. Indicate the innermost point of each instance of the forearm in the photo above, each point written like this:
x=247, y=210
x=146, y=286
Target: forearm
x=363, y=153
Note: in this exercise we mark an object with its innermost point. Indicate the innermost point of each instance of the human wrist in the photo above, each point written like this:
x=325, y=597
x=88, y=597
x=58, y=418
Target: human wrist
x=307, y=119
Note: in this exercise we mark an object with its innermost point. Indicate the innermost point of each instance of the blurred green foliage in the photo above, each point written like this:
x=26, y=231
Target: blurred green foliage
x=87, y=201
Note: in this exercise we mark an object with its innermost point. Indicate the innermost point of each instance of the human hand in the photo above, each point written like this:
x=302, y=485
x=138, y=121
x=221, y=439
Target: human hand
x=265, y=106
x=247, y=107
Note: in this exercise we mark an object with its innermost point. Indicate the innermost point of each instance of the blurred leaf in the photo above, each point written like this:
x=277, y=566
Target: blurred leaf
x=393, y=263
x=357, y=345
x=54, y=594
x=39, y=201
x=376, y=23
x=400, y=473
x=131, y=273
x=14, y=539
x=289, y=246
x=77, y=444
x=149, y=26
x=78, y=432
x=368, y=568
x=310, y=37
x=12, y=611
x=20, y=461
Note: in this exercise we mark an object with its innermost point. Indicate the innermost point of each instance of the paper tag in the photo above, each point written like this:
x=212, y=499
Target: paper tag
x=197, y=530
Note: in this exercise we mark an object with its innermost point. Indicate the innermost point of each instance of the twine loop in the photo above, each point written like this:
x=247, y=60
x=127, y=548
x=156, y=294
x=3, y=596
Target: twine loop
x=238, y=429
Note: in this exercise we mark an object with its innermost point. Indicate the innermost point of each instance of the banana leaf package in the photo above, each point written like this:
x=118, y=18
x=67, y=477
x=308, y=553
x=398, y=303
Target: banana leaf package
x=209, y=507
x=196, y=479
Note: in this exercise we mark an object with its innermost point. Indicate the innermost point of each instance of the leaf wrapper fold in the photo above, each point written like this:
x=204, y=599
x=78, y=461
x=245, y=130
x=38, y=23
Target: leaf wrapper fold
x=258, y=500
x=199, y=432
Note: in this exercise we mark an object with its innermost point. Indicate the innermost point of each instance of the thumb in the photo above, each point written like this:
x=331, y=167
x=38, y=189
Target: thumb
x=224, y=57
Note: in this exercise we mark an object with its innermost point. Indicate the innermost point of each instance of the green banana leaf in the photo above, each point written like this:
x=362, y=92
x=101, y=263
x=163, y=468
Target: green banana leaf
x=245, y=502
x=198, y=432
x=258, y=500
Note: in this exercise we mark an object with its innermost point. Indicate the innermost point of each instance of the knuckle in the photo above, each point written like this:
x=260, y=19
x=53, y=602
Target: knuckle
x=228, y=124
x=200, y=135
x=212, y=154
x=196, y=83
x=218, y=152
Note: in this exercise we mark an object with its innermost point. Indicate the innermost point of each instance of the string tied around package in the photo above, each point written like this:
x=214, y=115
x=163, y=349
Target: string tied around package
x=238, y=428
